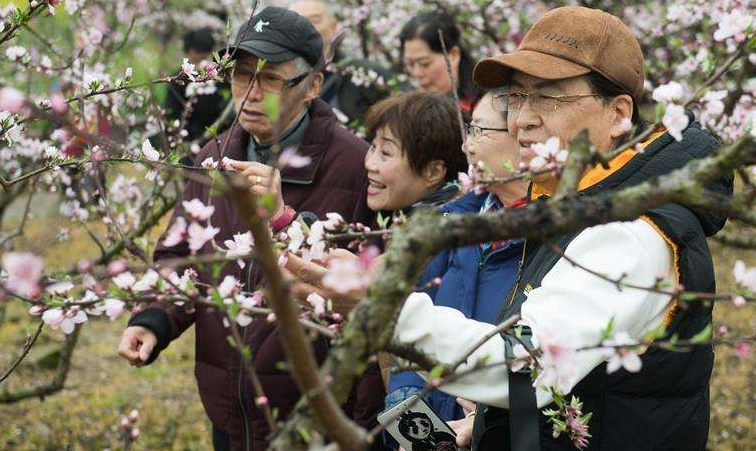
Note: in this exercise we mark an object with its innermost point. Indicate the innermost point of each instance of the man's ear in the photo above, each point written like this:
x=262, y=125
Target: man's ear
x=621, y=110
x=434, y=173
x=313, y=91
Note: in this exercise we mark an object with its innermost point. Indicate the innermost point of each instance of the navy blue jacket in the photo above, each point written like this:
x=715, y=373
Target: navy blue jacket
x=474, y=287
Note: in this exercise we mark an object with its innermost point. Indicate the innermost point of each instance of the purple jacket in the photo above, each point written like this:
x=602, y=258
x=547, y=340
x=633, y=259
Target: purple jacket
x=334, y=181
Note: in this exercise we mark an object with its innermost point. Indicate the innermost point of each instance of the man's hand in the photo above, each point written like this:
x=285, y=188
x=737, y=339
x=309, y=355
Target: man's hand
x=137, y=343
x=464, y=427
x=263, y=180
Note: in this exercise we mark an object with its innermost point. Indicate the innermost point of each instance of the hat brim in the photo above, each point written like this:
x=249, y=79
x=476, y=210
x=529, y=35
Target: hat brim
x=263, y=49
x=496, y=71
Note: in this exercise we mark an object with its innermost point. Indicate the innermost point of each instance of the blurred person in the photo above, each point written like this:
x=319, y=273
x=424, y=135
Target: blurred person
x=582, y=69
x=333, y=181
x=197, y=106
x=424, y=61
x=339, y=89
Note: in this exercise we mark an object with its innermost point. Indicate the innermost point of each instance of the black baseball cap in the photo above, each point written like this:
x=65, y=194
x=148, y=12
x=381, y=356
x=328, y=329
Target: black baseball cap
x=277, y=35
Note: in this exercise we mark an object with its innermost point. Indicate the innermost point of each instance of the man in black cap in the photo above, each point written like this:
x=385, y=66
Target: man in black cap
x=333, y=181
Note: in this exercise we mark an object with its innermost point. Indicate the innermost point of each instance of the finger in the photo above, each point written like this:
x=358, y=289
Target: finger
x=302, y=290
x=236, y=164
x=467, y=406
x=146, y=349
x=127, y=349
x=307, y=271
x=341, y=253
x=256, y=168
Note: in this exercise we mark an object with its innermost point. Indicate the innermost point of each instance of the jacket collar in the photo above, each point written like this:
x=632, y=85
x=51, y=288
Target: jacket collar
x=314, y=144
x=596, y=174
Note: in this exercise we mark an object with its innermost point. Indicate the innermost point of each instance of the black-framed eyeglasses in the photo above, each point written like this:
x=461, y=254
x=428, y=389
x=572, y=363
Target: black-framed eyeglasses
x=512, y=102
x=267, y=82
x=476, y=132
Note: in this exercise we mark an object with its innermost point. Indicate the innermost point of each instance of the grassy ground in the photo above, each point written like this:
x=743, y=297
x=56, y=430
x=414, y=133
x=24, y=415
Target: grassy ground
x=101, y=386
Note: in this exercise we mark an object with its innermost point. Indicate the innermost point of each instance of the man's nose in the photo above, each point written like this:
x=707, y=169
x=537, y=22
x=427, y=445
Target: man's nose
x=526, y=118
x=255, y=94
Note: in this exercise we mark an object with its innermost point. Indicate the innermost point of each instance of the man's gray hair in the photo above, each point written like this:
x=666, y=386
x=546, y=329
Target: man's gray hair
x=302, y=66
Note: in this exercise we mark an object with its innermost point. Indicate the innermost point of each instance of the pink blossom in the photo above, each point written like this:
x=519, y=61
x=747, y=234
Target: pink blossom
x=622, y=357
x=557, y=361
x=668, y=93
x=116, y=267
x=36, y=310
x=11, y=100
x=133, y=416
x=744, y=277
x=742, y=349
x=134, y=433
x=58, y=103
x=114, y=308
x=15, y=53
x=53, y=317
x=240, y=246
x=318, y=304
x=334, y=222
x=290, y=158
x=626, y=125
x=243, y=320
x=248, y=302
x=197, y=209
x=296, y=236
x=124, y=281
x=739, y=301
x=546, y=153
x=24, y=271
x=176, y=232
x=149, y=152
x=466, y=183
x=713, y=105
x=60, y=288
x=522, y=358
x=147, y=282
x=228, y=286
x=261, y=401
x=346, y=274
x=675, y=120
x=187, y=68
x=65, y=320
x=209, y=163
x=199, y=235
x=733, y=25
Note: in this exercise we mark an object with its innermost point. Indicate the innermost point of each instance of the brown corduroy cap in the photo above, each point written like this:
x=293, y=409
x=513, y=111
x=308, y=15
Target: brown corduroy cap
x=567, y=42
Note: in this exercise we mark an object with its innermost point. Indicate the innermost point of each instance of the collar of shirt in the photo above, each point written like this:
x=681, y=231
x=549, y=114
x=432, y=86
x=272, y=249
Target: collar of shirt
x=291, y=138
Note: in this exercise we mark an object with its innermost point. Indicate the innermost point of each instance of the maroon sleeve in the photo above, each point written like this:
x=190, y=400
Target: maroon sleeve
x=166, y=320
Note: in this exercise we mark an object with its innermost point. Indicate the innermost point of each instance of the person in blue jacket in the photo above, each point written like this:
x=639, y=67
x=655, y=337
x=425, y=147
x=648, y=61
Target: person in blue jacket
x=474, y=279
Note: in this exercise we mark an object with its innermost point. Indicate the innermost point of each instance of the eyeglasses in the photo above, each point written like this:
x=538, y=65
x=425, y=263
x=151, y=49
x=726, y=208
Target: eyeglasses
x=512, y=102
x=265, y=81
x=475, y=132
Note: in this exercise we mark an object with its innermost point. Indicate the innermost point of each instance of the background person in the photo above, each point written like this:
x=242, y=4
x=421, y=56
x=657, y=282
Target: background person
x=423, y=57
x=207, y=101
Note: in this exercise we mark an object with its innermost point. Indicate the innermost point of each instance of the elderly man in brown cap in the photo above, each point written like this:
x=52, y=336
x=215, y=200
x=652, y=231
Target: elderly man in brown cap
x=576, y=69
